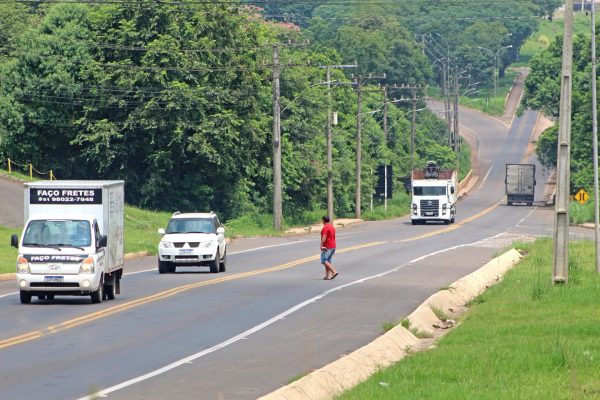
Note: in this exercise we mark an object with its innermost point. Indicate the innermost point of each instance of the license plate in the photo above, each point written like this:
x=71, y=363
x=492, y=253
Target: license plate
x=429, y=213
x=54, y=278
x=186, y=252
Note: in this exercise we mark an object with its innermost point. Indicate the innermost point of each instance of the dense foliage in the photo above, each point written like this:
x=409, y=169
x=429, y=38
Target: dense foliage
x=176, y=99
x=543, y=93
x=469, y=33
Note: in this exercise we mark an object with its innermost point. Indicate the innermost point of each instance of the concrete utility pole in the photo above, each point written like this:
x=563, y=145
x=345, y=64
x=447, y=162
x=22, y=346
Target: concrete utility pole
x=561, y=219
x=330, y=211
x=277, y=202
x=360, y=82
x=455, y=133
x=413, y=128
x=595, y=139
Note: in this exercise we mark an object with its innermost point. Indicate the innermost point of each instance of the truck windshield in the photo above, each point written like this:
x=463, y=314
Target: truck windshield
x=74, y=233
x=429, y=190
x=190, y=225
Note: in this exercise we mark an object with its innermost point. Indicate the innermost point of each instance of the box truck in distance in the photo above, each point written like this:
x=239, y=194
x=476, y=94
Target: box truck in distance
x=520, y=183
x=72, y=241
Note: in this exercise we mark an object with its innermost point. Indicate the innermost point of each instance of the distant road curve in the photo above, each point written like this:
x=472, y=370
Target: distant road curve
x=11, y=202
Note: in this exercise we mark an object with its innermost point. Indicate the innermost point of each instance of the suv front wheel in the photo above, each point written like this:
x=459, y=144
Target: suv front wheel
x=214, y=264
x=223, y=264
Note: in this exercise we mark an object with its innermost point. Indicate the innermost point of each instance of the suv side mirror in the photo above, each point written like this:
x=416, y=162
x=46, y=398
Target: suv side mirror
x=14, y=241
x=102, y=241
x=452, y=189
x=220, y=230
x=161, y=231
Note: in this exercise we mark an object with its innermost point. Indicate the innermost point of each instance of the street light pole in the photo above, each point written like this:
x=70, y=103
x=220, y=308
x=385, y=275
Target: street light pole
x=496, y=56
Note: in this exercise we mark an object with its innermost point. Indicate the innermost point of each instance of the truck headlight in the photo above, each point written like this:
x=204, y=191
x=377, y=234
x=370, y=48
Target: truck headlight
x=87, y=266
x=166, y=245
x=444, y=208
x=22, y=266
x=206, y=244
x=414, y=209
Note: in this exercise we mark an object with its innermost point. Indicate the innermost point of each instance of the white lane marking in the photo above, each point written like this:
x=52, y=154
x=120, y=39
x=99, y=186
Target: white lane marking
x=527, y=216
x=486, y=176
x=257, y=328
x=235, y=252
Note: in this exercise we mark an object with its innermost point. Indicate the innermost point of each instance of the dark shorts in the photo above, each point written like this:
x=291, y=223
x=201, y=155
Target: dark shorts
x=327, y=255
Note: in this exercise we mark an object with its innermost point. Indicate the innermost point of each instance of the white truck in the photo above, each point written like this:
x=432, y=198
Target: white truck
x=520, y=183
x=72, y=241
x=434, y=194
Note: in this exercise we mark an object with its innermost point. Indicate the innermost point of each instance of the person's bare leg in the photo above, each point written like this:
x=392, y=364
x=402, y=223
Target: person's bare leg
x=330, y=272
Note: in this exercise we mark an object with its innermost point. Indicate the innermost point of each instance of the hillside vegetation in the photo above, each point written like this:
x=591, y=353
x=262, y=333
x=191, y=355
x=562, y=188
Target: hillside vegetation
x=177, y=99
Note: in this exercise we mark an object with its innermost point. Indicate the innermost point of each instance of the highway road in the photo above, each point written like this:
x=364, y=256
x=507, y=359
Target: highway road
x=270, y=318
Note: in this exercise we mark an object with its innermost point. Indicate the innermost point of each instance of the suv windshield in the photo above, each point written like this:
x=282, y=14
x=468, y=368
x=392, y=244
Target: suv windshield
x=429, y=190
x=74, y=233
x=191, y=225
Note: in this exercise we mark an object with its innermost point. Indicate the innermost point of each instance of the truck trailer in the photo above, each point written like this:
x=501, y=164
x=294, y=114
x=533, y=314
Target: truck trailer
x=434, y=194
x=72, y=240
x=520, y=183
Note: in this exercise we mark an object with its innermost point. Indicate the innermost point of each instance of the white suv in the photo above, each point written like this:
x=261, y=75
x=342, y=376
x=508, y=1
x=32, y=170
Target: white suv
x=192, y=239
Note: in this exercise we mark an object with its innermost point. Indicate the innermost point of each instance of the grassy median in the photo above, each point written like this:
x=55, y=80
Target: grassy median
x=523, y=339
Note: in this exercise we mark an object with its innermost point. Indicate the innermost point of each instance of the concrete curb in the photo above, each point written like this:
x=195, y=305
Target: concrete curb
x=350, y=370
x=7, y=277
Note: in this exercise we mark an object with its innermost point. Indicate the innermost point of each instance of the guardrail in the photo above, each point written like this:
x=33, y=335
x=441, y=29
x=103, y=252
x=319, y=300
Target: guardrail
x=28, y=169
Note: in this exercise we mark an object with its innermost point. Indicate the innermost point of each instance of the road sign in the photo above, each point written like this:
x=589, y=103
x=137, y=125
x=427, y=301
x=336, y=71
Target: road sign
x=582, y=196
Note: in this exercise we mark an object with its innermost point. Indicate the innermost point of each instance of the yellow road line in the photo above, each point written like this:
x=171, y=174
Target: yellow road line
x=450, y=228
x=159, y=296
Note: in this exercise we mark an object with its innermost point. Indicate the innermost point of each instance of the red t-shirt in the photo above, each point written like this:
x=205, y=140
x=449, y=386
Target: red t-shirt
x=328, y=231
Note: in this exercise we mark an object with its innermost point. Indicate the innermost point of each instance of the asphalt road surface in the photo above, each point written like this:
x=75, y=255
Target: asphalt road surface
x=270, y=317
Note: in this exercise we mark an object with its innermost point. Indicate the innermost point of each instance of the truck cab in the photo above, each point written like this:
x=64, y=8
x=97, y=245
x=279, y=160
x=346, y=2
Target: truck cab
x=434, y=195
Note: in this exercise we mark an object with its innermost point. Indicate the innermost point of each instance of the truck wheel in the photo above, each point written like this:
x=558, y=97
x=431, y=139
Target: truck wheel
x=50, y=296
x=223, y=263
x=98, y=295
x=509, y=203
x=171, y=267
x=162, y=267
x=41, y=297
x=414, y=222
x=111, y=291
x=214, y=265
x=446, y=222
x=25, y=297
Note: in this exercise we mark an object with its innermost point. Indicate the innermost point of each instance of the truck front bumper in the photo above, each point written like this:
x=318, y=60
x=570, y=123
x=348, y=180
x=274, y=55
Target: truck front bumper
x=66, y=284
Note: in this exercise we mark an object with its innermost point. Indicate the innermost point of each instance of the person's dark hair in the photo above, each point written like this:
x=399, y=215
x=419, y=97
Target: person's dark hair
x=325, y=218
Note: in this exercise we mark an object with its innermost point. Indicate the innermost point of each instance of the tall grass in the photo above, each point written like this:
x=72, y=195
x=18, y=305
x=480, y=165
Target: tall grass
x=525, y=338
x=580, y=214
x=8, y=254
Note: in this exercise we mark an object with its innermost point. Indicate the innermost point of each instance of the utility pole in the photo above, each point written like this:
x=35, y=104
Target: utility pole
x=360, y=81
x=561, y=219
x=357, y=190
x=277, y=202
x=330, y=211
x=456, y=134
x=329, y=151
x=413, y=129
x=595, y=139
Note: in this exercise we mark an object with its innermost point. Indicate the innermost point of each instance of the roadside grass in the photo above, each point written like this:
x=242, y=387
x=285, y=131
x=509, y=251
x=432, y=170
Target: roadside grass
x=141, y=229
x=524, y=338
x=580, y=214
x=484, y=99
x=8, y=254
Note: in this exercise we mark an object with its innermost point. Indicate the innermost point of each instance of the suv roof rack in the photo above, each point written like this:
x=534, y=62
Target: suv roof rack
x=176, y=213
